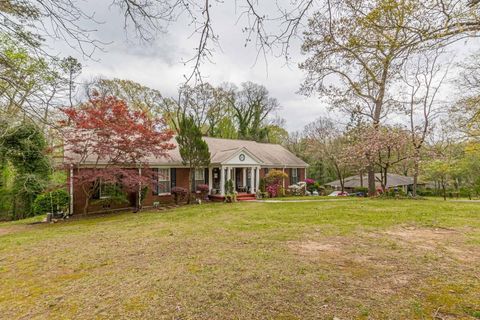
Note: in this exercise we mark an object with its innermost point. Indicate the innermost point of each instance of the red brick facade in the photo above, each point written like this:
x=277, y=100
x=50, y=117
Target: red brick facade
x=79, y=198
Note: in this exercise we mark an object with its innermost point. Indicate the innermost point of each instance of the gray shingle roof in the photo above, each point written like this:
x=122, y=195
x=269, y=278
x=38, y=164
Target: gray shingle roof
x=224, y=149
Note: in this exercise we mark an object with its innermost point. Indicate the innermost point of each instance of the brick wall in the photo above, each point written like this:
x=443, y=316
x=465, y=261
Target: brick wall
x=79, y=197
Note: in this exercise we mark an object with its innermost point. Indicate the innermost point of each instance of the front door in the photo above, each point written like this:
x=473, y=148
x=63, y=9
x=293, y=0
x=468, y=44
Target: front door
x=238, y=179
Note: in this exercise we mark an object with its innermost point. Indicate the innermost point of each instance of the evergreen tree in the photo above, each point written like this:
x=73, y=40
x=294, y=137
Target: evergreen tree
x=193, y=149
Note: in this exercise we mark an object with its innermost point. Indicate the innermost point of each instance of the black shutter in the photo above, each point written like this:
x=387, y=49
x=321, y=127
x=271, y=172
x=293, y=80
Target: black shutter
x=173, y=178
x=290, y=176
x=206, y=176
x=96, y=192
x=155, y=181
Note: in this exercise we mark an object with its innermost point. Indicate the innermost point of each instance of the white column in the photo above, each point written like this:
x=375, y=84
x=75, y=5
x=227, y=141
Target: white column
x=229, y=173
x=252, y=181
x=257, y=182
x=244, y=177
x=210, y=179
x=222, y=181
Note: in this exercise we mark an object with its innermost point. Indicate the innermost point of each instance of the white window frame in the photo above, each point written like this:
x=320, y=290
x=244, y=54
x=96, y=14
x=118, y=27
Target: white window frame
x=162, y=179
x=202, y=172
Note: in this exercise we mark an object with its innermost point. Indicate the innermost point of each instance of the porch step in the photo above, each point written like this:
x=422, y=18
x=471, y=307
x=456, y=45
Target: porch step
x=245, y=197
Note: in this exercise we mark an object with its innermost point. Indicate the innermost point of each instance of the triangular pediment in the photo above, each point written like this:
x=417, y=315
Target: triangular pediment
x=242, y=157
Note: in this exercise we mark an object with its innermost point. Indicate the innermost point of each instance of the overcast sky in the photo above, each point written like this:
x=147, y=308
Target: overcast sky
x=159, y=64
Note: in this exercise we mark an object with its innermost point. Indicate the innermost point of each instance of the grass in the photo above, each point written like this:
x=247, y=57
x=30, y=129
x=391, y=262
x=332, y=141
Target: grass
x=392, y=259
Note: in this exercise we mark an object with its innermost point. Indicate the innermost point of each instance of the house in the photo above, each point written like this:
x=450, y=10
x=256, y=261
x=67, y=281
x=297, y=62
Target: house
x=244, y=162
x=393, y=180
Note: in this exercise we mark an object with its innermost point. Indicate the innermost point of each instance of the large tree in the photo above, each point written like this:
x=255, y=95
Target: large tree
x=357, y=47
x=113, y=143
x=252, y=107
x=137, y=96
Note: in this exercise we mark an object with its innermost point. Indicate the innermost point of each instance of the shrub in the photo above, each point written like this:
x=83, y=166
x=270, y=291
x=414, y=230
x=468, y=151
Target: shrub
x=274, y=181
x=363, y=190
x=203, y=188
x=179, y=194
x=310, y=185
x=230, y=194
x=296, y=190
x=262, y=185
x=53, y=202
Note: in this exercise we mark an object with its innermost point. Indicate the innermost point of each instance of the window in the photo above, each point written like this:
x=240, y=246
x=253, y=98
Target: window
x=294, y=176
x=164, y=181
x=108, y=190
x=199, y=174
x=199, y=177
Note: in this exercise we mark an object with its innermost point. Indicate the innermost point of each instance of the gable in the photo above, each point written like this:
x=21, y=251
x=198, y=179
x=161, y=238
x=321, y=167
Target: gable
x=242, y=157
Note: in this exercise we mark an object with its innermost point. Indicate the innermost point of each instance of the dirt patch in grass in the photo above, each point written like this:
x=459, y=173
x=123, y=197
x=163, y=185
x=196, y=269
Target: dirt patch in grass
x=451, y=242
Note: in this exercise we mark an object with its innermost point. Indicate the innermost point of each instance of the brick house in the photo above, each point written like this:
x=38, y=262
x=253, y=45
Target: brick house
x=244, y=162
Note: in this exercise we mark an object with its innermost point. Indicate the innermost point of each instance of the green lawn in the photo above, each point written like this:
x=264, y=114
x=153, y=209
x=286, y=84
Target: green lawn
x=376, y=259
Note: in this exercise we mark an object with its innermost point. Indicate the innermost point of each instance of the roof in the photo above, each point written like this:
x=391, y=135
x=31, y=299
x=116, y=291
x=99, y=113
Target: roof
x=221, y=150
x=269, y=154
x=393, y=180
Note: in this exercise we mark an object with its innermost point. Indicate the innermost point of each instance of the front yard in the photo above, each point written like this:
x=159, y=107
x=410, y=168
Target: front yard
x=357, y=258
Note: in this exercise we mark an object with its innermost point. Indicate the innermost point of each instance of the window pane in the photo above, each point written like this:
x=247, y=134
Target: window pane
x=163, y=174
x=200, y=174
x=163, y=187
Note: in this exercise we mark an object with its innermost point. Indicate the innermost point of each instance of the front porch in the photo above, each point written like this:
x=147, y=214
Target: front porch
x=245, y=180
x=241, y=167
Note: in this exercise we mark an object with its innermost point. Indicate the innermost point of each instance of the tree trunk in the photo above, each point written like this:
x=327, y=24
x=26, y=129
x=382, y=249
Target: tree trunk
x=190, y=182
x=371, y=181
x=444, y=190
x=415, y=173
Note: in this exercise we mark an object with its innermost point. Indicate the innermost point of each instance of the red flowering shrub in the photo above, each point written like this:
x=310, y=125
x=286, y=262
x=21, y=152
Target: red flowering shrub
x=274, y=182
x=179, y=194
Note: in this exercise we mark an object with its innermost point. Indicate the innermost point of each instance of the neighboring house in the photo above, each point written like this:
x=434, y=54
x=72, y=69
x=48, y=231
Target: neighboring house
x=393, y=180
x=244, y=162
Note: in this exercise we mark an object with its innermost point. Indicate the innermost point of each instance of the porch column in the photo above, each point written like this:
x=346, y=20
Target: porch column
x=257, y=180
x=252, y=181
x=244, y=177
x=229, y=173
x=222, y=181
x=210, y=179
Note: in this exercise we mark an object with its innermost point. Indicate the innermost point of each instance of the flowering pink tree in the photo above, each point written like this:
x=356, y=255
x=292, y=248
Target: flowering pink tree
x=384, y=146
x=107, y=142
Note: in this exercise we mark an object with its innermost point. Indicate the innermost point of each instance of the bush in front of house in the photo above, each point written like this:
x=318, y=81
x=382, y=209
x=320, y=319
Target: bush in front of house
x=179, y=194
x=203, y=189
x=51, y=202
x=310, y=185
x=274, y=182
